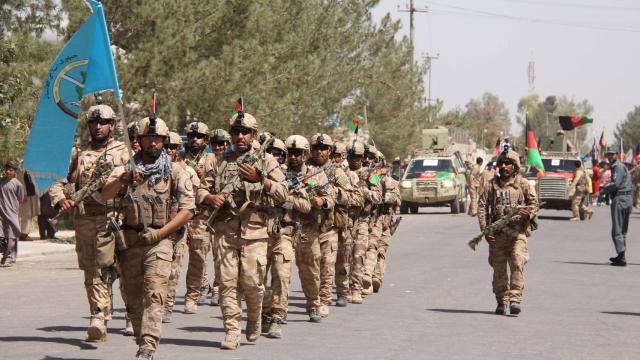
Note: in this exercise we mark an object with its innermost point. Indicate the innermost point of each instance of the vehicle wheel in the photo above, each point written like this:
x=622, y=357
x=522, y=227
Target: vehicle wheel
x=414, y=209
x=463, y=206
x=404, y=208
x=455, y=206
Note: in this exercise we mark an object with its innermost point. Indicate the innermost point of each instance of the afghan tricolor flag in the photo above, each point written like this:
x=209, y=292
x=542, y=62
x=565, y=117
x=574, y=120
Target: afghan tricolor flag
x=533, y=153
x=570, y=122
x=354, y=125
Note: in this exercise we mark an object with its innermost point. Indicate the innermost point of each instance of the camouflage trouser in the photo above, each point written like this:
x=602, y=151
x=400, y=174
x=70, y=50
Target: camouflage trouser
x=242, y=265
x=279, y=257
x=198, y=241
x=87, y=230
x=512, y=250
x=328, y=254
x=215, y=252
x=179, y=250
x=357, y=279
x=343, y=261
x=383, y=248
x=308, y=256
x=473, y=204
x=371, y=256
x=145, y=275
x=576, y=199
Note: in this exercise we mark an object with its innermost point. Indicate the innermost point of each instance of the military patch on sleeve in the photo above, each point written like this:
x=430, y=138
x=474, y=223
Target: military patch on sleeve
x=343, y=180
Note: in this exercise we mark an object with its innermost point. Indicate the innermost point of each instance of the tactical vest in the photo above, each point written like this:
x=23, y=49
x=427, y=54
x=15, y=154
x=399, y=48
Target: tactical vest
x=503, y=198
x=89, y=162
x=154, y=204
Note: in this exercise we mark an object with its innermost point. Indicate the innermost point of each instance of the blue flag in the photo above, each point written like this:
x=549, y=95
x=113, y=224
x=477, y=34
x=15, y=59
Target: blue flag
x=85, y=65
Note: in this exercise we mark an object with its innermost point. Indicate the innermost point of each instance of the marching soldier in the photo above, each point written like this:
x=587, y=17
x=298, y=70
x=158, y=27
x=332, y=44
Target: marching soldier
x=316, y=254
x=146, y=250
x=241, y=188
x=508, y=245
x=132, y=132
x=180, y=245
x=278, y=150
x=219, y=140
x=473, y=184
x=95, y=257
x=381, y=230
x=580, y=188
x=339, y=155
x=371, y=192
x=198, y=239
x=280, y=251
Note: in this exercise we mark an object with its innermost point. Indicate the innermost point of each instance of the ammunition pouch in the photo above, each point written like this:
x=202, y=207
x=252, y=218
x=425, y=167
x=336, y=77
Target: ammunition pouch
x=341, y=216
x=105, y=250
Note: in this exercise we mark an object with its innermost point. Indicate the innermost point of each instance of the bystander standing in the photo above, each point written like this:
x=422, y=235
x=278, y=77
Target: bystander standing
x=12, y=194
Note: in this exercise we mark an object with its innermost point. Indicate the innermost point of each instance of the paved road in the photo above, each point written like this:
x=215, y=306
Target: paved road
x=436, y=303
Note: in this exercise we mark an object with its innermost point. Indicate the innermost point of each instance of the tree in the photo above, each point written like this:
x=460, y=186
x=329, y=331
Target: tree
x=629, y=129
x=488, y=113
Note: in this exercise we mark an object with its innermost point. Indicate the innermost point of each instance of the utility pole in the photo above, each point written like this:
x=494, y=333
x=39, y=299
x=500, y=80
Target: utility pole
x=411, y=9
x=428, y=58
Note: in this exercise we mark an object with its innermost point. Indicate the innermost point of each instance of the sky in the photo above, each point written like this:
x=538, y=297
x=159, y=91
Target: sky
x=583, y=49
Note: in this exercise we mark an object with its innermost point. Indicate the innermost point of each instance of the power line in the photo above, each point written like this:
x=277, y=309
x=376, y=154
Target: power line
x=469, y=11
x=575, y=5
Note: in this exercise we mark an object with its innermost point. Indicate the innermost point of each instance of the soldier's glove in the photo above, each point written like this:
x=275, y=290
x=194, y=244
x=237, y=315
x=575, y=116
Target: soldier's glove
x=151, y=236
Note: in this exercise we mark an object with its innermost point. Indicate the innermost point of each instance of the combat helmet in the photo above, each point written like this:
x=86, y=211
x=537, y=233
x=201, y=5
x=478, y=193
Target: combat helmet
x=321, y=139
x=243, y=120
x=511, y=155
x=356, y=148
x=371, y=149
x=340, y=148
x=100, y=112
x=132, y=128
x=297, y=142
x=152, y=126
x=218, y=135
x=174, y=139
x=197, y=127
x=278, y=144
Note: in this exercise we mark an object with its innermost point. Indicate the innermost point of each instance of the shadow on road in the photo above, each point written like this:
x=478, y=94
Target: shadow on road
x=206, y=329
x=60, y=358
x=589, y=263
x=74, y=328
x=557, y=218
x=620, y=313
x=462, y=311
x=59, y=340
x=191, y=342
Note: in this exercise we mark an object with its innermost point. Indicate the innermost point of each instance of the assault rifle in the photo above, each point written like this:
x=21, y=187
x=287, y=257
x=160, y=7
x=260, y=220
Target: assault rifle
x=102, y=168
x=233, y=185
x=395, y=222
x=510, y=218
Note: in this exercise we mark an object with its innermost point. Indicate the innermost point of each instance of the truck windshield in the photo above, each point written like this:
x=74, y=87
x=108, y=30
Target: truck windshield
x=419, y=166
x=555, y=165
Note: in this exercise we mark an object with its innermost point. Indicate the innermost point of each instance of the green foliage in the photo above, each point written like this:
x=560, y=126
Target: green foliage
x=629, y=129
x=543, y=116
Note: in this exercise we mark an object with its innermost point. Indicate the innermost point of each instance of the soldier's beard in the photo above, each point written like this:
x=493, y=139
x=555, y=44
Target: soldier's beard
x=295, y=165
x=155, y=154
x=505, y=174
x=196, y=149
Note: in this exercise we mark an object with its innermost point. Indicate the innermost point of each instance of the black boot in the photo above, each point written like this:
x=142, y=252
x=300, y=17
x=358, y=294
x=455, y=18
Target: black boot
x=514, y=308
x=501, y=309
x=619, y=260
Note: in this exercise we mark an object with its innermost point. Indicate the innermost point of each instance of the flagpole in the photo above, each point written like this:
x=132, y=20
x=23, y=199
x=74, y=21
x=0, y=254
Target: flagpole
x=123, y=122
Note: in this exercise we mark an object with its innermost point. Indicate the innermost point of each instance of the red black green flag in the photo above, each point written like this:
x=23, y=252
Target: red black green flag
x=570, y=122
x=533, y=153
x=354, y=124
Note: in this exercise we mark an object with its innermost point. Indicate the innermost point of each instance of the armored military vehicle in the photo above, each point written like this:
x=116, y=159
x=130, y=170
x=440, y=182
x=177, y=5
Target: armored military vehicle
x=435, y=175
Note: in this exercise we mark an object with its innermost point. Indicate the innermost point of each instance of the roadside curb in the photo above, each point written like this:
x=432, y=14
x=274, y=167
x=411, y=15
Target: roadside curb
x=37, y=253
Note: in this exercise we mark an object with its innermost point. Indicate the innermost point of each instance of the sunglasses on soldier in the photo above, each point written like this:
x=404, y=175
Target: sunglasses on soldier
x=173, y=147
x=276, y=152
x=100, y=121
x=196, y=135
x=295, y=152
x=240, y=130
x=320, y=147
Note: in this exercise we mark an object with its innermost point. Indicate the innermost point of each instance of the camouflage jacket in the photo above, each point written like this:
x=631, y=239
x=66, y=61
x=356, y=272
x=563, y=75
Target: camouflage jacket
x=497, y=196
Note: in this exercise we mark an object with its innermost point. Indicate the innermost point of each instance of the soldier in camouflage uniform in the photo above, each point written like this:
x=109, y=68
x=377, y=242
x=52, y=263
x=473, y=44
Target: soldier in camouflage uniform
x=380, y=230
x=280, y=252
x=219, y=141
x=180, y=243
x=580, y=188
x=345, y=225
x=473, y=183
x=198, y=238
x=241, y=189
x=508, y=245
x=318, y=249
x=371, y=193
x=132, y=132
x=146, y=250
x=279, y=151
x=95, y=255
